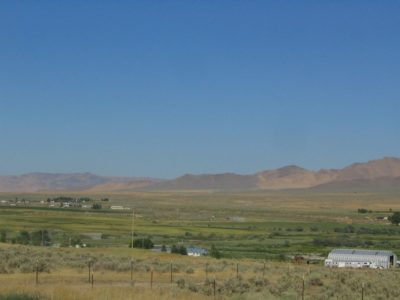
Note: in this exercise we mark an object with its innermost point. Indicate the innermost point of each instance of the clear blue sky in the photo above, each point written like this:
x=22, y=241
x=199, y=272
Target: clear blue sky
x=162, y=88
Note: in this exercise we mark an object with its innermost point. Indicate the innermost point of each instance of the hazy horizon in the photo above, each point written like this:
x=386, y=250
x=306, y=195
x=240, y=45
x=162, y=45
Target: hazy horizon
x=160, y=89
x=205, y=173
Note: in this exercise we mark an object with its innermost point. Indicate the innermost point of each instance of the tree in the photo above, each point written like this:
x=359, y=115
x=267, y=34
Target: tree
x=3, y=236
x=182, y=250
x=144, y=243
x=395, y=218
x=214, y=252
x=23, y=238
x=40, y=238
x=174, y=249
x=163, y=248
x=96, y=206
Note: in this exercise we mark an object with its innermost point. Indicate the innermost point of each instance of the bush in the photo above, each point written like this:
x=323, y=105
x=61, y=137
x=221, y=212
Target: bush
x=316, y=282
x=180, y=283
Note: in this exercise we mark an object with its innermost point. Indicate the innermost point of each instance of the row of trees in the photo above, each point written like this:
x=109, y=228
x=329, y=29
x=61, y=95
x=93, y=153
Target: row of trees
x=146, y=243
x=36, y=238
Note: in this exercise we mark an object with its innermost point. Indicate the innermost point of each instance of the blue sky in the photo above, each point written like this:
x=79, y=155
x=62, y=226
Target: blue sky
x=162, y=88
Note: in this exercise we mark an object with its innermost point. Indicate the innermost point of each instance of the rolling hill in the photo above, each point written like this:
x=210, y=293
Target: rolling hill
x=36, y=182
x=383, y=174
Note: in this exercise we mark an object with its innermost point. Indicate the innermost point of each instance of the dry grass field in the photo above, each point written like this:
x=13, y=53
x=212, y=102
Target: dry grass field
x=66, y=277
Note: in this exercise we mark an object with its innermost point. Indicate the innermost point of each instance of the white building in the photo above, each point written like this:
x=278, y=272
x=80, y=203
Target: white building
x=117, y=207
x=195, y=251
x=353, y=258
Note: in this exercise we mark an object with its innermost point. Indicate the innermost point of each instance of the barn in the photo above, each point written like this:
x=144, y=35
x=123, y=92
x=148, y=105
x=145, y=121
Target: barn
x=354, y=258
x=195, y=251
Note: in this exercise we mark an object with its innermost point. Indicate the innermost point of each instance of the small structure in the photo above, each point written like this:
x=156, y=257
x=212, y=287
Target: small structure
x=195, y=251
x=354, y=258
x=117, y=207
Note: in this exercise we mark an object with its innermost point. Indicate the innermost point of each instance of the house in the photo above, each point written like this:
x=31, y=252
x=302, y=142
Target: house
x=195, y=251
x=354, y=258
x=117, y=207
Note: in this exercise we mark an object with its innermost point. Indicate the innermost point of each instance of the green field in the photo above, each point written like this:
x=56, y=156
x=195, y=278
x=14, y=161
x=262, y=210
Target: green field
x=264, y=225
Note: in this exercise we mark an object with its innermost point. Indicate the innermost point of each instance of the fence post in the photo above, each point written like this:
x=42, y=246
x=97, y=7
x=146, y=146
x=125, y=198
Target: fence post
x=89, y=265
x=214, y=287
x=151, y=279
x=92, y=279
x=37, y=271
x=131, y=270
x=302, y=291
x=206, y=271
x=264, y=271
x=237, y=271
x=362, y=291
x=171, y=273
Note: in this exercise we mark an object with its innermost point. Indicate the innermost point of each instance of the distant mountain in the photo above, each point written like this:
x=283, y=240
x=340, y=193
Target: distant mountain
x=293, y=177
x=35, y=182
x=376, y=174
x=386, y=167
x=224, y=181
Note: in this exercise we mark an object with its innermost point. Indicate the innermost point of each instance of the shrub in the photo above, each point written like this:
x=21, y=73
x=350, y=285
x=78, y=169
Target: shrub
x=180, y=283
x=316, y=282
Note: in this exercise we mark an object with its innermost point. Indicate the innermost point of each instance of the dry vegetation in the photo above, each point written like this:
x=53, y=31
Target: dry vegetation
x=64, y=275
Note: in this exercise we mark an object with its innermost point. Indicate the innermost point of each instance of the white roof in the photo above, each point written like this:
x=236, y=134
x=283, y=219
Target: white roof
x=362, y=252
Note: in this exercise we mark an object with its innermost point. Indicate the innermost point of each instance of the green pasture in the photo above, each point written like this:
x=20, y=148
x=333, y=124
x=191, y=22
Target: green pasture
x=242, y=224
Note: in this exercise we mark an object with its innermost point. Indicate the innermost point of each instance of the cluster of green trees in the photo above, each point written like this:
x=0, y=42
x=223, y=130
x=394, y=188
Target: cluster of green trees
x=395, y=218
x=96, y=206
x=144, y=243
x=36, y=238
x=179, y=250
x=214, y=252
x=363, y=211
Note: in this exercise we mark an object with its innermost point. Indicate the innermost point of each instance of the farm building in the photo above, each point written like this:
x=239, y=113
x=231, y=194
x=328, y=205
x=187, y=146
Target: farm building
x=353, y=258
x=195, y=251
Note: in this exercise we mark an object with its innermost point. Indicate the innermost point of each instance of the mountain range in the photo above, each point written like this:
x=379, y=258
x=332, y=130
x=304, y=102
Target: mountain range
x=376, y=174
